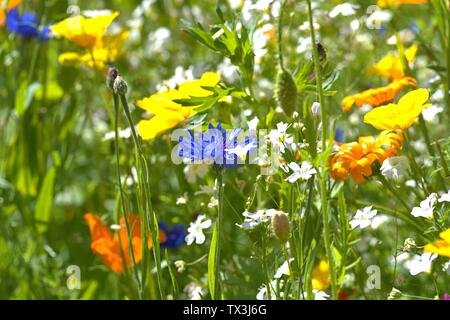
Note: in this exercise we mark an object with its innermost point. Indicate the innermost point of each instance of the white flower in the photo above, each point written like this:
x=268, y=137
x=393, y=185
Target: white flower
x=195, y=171
x=256, y=218
x=315, y=109
x=426, y=207
x=194, y=291
x=446, y=266
x=241, y=151
x=205, y=190
x=124, y=134
x=431, y=112
x=320, y=295
x=262, y=292
x=394, y=167
x=182, y=199
x=377, y=18
x=195, y=230
x=445, y=197
x=253, y=124
x=345, y=9
x=279, y=138
x=213, y=202
x=283, y=270
x=418, y=264
x=305, y=171
x=363, y=218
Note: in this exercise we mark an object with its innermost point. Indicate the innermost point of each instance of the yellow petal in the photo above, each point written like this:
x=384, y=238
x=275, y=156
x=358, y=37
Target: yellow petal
x=69, y=58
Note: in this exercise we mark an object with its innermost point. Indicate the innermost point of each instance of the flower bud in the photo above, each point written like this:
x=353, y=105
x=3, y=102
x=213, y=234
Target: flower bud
x=286, y=91
x=395, y=294
x=111, y=76
x=409, y=244
x=120, y=86
x=315, y=109
x=180, y=265
x=280, y=226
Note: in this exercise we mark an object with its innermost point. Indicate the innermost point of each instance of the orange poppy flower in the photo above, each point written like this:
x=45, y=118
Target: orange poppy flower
x=113, y=248
x=356, y=158
x=378, y=96
x=386, y=3
x=11, y=5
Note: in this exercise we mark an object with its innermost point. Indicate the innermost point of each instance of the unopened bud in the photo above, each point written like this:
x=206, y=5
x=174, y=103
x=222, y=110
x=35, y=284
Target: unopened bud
x=120, y=86
x=180, y=265
x=111, y=76
x=315, y=109
x=409, y=244
x=286, y=91
x=395, y=294
x=280, y=226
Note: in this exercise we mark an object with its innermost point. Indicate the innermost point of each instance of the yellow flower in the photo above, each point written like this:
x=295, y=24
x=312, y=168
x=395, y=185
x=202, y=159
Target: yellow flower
x=377, y=96
x=386, y=3
x=321, y=276
x=166, y=112
x=85, y=32
x=441, y=247
x=106, y=50
x=356, y=158
x=401, y=115
x=390, y=66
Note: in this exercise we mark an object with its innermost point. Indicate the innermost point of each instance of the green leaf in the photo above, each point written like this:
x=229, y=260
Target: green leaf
x=24, y=97
x=212, y=263
x=44, y=204
x=172, y=277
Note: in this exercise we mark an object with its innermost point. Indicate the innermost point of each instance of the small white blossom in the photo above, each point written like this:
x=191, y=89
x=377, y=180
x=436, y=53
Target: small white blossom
x=279, y=138
x=304, y=172
x=345, y=9
x=206, y=190
x=315, y=109
x=395, y=167
x=445, y=197
x=182, y=199
x=363, y=218
x=194, y=291
x=253, y=124
x=262, y=291
x=426, y=207
x=195, y=230
x=254, y=219
x=431, y=112
x=195, y=171
x=283, y=270
x=320, y=295
x=213, y=202
x=418, y=264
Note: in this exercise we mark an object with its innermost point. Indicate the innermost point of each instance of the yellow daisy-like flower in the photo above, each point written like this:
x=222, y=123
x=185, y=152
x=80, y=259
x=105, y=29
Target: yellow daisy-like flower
x=321, y=276
x=106, y=50
x=166, y=112
x=441, y=247
x=377, y=96
x=390, y=66
x=356, y=158
x=11, y=5
x=401, y=115
x=85, y=32
x=387, y=3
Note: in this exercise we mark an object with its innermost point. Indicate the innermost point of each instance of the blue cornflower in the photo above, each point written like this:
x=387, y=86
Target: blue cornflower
x=216, y=145
x=174, y=236
x=339, y=135
x=27, y=25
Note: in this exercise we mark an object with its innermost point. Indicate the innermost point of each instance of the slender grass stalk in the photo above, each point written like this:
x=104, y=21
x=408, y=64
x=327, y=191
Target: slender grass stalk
x=122, y=196
x=219, y=223
x=148, y=216
x=264, y=265
x=280, y=34
x=323, y=184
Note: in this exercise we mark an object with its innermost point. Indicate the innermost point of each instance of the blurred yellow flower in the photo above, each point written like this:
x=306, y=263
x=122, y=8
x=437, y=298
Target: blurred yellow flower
x=401, y=115
x=11, y=4
x=85, y=32
x=356, y=158
x=377, y=96
x=166, y=113
x=390, y=66
x=441, y=247
x=106, y=50
x=386, y=3
x=321, y=276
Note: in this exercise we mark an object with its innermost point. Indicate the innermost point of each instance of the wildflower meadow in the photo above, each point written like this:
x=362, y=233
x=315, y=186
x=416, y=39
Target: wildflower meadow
x=224, y=150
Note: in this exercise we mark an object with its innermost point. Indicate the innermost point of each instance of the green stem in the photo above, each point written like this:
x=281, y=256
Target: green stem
x=264, y=265
x=280, y=33
x=217, y=293
x=122, y=195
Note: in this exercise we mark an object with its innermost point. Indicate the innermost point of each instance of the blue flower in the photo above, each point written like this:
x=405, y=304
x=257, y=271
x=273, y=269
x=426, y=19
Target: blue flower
x=174, y=236
x=27, y=25
x=339, y=135
x=216, y=145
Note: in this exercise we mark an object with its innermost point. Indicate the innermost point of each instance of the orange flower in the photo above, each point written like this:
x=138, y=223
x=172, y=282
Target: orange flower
x=113, y=248
x=11, y=4
x=378, y=96
x=386, y=3
x=356, y=158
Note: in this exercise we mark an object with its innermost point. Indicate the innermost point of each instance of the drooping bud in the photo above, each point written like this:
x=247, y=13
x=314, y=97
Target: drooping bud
x=111, y=76
x=409, y=245
x=315, y=109
x=280, y=226
x=180, y=265
x=120, y=86
x=286, y=92
x=395, y=294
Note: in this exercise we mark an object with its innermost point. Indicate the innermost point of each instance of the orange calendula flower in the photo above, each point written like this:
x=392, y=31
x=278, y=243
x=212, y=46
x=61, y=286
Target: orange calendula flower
x=442, y=246
x=387, y=3
x=321, y=276
x=113, y=248
x=378, y=96
x=401, y=115
x=390, y=66
x=85, y=32
x=356, y=158
x=11, y=4
x=166, y=113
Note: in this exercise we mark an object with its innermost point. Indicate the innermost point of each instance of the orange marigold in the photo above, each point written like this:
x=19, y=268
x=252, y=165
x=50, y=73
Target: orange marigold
x=112, y=249
x=356, y=158
x=378, y=96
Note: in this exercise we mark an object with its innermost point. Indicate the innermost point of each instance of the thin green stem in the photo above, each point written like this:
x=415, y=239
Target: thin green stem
x=219, y=223
x=280, y=33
